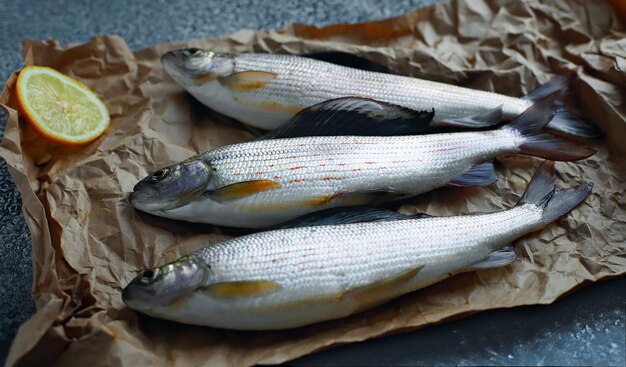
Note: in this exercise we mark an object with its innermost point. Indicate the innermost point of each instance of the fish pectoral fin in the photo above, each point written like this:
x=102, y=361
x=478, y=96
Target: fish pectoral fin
x=247, y=80
x=205, y=78
x=353, y=116
x=486, y=119
x=242, y=189
x=483, y=174
x=371, y=292
x=356, y=214
x=365, y=197
x=241, y=289
x=495, y=259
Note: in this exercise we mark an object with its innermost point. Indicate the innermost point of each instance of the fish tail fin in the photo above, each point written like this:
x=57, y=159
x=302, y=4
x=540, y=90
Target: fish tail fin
x=563, y=123
x=566, y=124
x=530, y=124
x=553, y=203
x=558, y=84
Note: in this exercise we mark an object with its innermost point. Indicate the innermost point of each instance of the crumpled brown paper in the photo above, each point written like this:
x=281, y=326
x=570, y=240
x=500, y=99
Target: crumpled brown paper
x=88, y=242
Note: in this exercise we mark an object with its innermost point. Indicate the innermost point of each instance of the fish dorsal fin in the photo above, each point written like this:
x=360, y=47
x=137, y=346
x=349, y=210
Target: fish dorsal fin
x=368, y=294
x=349, y=215
x=241, y=289
x=482, y=120
x=367, y=197
x=421, y=216
x=483, y=174
x=495, y=259
x=354, y=116
x=242, y=189
x=349, y=60
x=247, y=80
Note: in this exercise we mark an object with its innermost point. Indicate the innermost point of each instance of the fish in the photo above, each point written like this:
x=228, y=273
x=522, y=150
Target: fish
x=296, y=276
x=262, y=183
x=265, y=90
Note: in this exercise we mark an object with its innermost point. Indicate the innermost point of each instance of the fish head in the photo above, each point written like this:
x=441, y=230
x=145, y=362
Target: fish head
x=156, y=289
x=194, y=66
x=172, y=187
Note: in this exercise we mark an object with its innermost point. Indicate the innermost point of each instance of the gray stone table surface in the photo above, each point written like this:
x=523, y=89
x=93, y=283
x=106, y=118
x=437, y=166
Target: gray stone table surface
x=586, y=328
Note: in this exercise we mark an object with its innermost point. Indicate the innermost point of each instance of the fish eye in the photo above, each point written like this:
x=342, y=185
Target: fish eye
x=148, y=276
x=160, y=174
x=192, y=52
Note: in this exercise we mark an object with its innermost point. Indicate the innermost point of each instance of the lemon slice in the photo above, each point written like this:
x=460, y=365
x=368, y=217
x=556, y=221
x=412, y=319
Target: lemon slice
x=59, y=108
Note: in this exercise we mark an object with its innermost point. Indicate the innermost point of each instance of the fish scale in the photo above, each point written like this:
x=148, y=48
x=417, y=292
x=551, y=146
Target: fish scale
x=266, y=91
x=399, y=244
x=320, y=270
x=303, y=82
x=317, y=172
x=340, y=155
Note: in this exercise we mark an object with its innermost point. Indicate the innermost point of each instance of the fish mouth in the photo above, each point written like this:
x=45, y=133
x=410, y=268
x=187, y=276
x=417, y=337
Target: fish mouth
x=138, y=300
x=135, y=199
x=174, y=66
x=135, y=297
x=169, y=59
x=127, y=296
x=147, y=204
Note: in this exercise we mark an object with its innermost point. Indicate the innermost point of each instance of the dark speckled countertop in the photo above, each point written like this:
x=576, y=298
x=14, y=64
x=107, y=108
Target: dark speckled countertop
x=585, y=328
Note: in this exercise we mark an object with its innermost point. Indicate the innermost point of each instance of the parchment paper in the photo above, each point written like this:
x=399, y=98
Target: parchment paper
x=88, y=242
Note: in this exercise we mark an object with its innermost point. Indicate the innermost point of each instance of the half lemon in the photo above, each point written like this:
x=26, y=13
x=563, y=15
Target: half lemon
x=59, y=108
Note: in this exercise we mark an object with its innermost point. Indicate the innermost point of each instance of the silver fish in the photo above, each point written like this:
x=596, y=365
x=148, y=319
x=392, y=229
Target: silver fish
x=265, y=90
x=292, y=277
x=265, y=182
